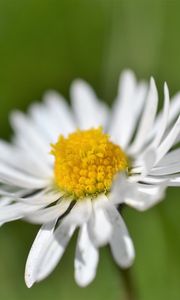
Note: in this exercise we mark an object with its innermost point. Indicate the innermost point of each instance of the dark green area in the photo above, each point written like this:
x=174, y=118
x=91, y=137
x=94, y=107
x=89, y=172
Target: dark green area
x=46, y=44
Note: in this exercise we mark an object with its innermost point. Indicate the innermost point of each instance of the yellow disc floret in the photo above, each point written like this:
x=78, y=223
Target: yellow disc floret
x=86, y=162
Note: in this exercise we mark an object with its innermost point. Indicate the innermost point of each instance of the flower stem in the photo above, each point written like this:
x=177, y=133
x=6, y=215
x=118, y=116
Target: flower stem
x=130, y=290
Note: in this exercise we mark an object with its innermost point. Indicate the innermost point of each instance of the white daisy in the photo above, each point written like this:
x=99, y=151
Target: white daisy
x=71, y=168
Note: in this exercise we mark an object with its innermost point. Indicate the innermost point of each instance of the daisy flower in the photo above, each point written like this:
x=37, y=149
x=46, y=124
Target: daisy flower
x=70, y=168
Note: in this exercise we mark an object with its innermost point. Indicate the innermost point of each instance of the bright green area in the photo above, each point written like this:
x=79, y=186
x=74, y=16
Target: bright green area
x=46, y=44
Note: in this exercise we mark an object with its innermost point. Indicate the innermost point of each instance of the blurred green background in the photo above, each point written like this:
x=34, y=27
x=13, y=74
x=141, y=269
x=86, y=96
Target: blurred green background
x=46, y=44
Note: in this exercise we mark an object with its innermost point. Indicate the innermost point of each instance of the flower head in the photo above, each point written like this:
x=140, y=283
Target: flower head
x=71, y=168
x=86, y=162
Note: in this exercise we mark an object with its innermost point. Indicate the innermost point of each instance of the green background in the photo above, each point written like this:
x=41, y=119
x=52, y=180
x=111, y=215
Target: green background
x=46, y=44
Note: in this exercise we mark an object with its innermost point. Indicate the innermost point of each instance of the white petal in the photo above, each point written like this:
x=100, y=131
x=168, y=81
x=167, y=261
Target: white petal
x=80, y=213
x=53, y=117
x=145, y=162
x=46, y=215
x=4, y=201
x=29, y=137
x=99, y=227
x=174, y=110
x=154, y=180
x=144, y=198
x=167, y=169
x=147, y=119
x=22, y=161
x=34, y=155
x=175, y=181
x=60, y=111
x=136, y=195
x=15, y=211
x=170, y=158
x=119, y=190
x=90, y=112
x=41, y=198
x=121, y=244
x=163, y=123
x=46, y=251
x=168, y=142
x=62, y=235
x=14, y=177
x=11, y=212
x=42, y=118
x=168, y=180
x=15, y=192
x=123, y=107
x=128, y=103
x=86, y=258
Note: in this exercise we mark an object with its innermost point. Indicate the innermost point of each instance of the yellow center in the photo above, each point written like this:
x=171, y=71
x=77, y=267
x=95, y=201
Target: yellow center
x=86, y=162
